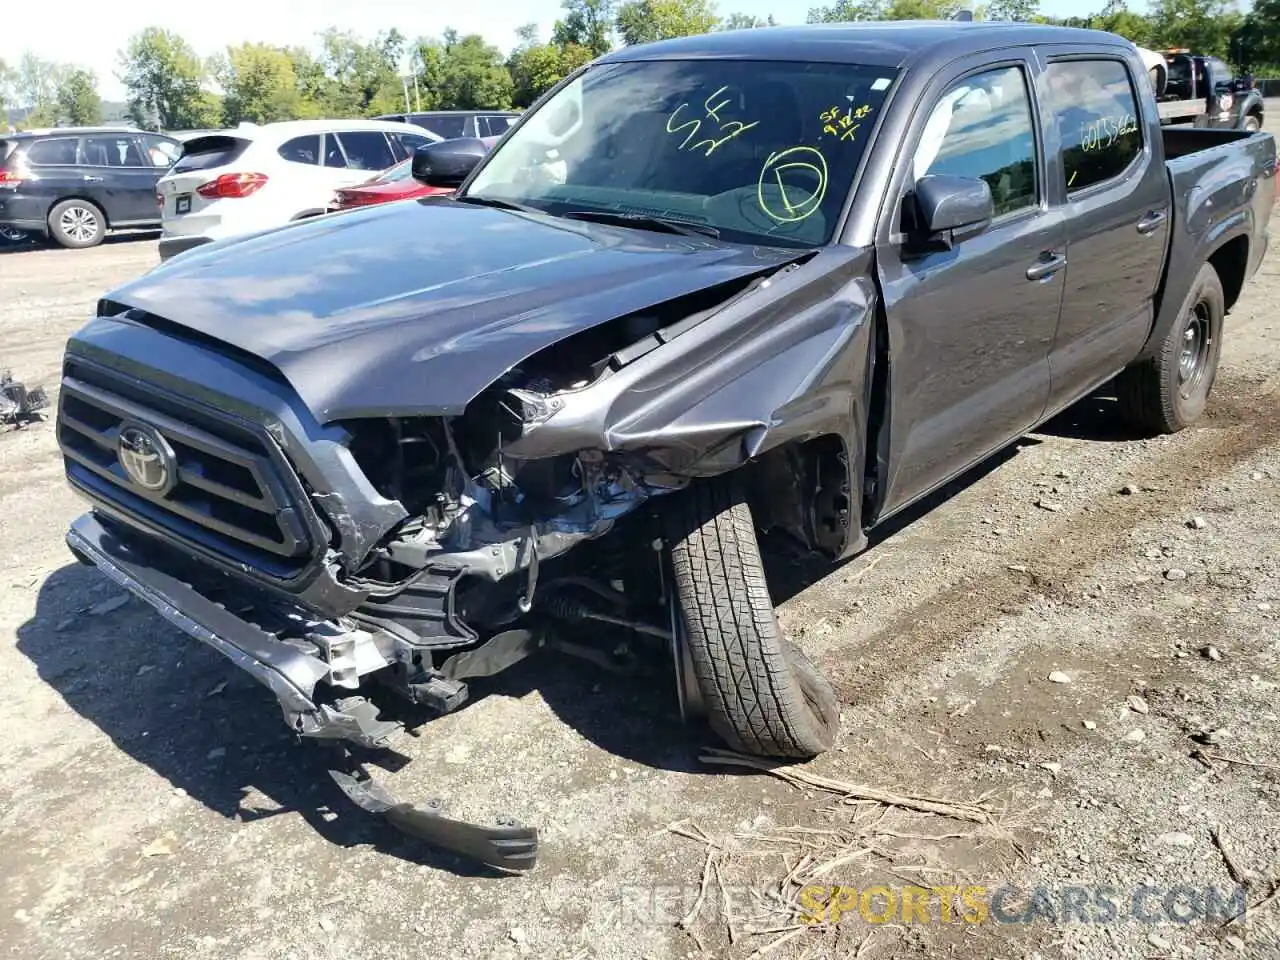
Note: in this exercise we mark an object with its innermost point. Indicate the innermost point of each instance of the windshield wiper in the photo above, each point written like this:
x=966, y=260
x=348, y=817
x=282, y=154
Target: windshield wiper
x=499, y=203
x=643, y=221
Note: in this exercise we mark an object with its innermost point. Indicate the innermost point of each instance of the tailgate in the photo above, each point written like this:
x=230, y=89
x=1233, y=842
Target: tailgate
x=202, y=160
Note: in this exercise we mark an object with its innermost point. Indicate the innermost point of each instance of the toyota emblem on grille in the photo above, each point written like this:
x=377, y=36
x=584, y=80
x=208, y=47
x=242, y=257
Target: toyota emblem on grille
x=146, y=458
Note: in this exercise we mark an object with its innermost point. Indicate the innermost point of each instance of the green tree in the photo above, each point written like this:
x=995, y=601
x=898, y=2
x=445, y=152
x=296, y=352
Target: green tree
x=846, y=11
x=163, y=78
x=537, y=67
x=1203, y=26
x=8, y=82
x=259, y=84
x=1255, y=43
x=745, y=21
x=36, y=83
x=474, y=76
x=358, y=78
x=1020, y=11
x=78, y=100
x=643, y=21
x=586, y=23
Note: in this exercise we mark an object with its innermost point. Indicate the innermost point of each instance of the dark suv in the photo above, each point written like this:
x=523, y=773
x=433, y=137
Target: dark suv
x=73, y=184
x=452, y=124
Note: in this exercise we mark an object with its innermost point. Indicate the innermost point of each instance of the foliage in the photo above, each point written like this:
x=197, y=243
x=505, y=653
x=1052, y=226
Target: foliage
x=260, y=84
x=537, y=67
x=344, y=75
x=163, y=77
x=745, y=21
x=644, y=21
x=587, y=23
x=78, y=100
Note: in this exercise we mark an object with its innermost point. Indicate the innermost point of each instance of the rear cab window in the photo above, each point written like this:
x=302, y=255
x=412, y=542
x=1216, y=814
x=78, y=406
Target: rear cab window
x=444, y=126
x=1096, y=109
x=205, y=153
x=56, y=152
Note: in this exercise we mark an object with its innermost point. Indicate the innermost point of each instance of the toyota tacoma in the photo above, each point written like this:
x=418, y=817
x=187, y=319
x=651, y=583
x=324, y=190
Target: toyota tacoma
x=769, y=283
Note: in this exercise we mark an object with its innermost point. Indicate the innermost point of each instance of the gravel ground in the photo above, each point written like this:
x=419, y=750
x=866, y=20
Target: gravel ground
x=1087, y=678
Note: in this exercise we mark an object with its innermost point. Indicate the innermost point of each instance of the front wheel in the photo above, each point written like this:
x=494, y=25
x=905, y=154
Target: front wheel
x=1252, y=123
x=761, y=694
x=1169, y=391
x=77, y=224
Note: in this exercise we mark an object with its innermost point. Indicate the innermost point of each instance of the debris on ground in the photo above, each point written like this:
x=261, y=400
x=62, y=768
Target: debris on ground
x=19, y=404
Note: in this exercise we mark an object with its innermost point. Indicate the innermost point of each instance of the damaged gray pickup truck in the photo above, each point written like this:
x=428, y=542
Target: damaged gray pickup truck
x=781, y=282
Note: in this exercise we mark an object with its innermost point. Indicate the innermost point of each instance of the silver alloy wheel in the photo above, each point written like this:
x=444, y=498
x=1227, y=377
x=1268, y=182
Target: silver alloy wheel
x=79, y=224
x=12, y=234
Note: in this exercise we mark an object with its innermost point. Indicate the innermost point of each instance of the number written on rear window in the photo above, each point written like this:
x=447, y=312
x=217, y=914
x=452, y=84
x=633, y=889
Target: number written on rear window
x=1098, y=120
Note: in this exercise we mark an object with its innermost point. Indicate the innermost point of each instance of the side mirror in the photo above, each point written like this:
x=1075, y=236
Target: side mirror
x=447, y=163
x=952, y=206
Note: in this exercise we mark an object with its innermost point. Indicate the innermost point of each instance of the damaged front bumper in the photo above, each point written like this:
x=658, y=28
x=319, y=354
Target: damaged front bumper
x=286, y=670
x=293, y=676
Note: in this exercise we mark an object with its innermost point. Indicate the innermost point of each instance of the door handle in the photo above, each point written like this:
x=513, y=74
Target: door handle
x=1046, y=267
x=1150, y=223
x=89, y=179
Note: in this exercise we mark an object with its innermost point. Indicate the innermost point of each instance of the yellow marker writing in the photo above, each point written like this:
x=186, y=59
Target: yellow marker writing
x=785, y=169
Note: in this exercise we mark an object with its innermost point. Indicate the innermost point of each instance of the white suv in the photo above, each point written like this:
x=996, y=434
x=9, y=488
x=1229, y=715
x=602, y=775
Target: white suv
x=257, y=177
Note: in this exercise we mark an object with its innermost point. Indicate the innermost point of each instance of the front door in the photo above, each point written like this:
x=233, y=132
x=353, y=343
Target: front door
x=971, y=327
x=120, y=178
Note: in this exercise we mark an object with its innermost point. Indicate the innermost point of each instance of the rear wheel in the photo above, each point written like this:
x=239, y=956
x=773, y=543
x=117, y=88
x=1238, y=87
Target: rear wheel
x=77, y=224
x=1169, y=391
x=761, y=694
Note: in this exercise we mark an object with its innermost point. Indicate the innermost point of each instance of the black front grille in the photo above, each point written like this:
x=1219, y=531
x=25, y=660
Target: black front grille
x=232, y=489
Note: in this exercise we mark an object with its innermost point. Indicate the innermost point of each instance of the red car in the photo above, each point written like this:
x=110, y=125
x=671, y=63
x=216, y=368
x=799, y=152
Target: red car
x=394, y=183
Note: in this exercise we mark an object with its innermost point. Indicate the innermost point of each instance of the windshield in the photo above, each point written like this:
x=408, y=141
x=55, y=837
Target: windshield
x=762, y=151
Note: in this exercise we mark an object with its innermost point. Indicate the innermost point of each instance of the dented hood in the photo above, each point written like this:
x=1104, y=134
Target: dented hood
x=413, y=308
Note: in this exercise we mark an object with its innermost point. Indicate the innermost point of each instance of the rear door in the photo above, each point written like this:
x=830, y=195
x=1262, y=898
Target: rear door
x=970, y=327
x=55, y=173
x=1115, y=194
x=120, y=177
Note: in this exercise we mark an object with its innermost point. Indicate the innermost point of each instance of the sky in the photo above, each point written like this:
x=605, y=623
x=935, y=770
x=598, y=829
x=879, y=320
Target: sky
x=89, y=33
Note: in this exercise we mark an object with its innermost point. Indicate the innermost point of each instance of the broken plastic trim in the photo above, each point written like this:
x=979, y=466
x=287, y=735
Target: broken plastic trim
x=507, y=845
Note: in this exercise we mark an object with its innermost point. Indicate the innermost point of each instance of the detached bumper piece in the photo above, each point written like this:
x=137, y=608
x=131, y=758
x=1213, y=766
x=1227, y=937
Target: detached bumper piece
x=507, y=846
x=20, y=404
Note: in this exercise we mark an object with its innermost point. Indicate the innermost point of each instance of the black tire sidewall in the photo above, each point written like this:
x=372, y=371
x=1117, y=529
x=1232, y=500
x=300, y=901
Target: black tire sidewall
x=1207, y=289
x=55, y=229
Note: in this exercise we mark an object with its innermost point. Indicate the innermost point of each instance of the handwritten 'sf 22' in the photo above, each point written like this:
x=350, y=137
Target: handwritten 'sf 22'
x=693, y=125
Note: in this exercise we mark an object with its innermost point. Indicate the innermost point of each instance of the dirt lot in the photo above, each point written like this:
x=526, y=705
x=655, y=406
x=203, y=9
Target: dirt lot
x=152, y=805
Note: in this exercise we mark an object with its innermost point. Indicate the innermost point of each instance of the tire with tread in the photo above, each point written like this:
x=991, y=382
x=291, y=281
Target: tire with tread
x=90, y=210
x=762, y=695
x=1151, y=397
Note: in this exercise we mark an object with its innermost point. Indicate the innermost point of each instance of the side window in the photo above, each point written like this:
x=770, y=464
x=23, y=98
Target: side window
x=333, y=155
x=982, y=127
x=1097, y=113
x=161, y=152
x=404, y=144
x=302, y=150
x=112, y=152
x=366, y=149
x=53, y=152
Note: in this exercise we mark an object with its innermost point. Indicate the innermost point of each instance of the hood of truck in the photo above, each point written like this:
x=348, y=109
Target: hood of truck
x=414, y=308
